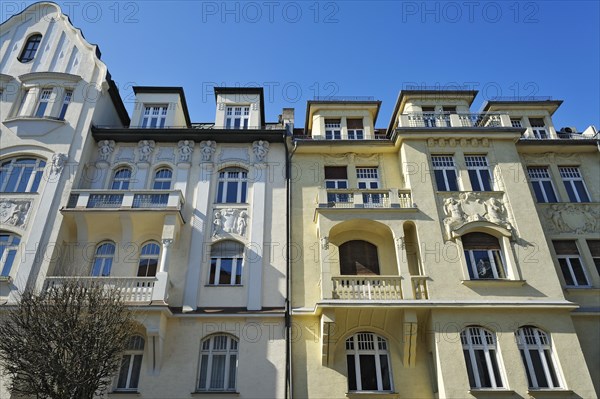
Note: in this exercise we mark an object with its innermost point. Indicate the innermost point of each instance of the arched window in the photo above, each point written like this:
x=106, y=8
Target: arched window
x=483, y=255
x=148, y=260
x=9, y=245
x=162, y=179
x=226, y=259
x=121, y=179
x=21, y=175
x=479, y=348
x=218, y=364
x=131, y=365
x=103, y=259
x=368, y=360
x=232, y=185
x=537, y=356
x=358, y=257
x=30, y=48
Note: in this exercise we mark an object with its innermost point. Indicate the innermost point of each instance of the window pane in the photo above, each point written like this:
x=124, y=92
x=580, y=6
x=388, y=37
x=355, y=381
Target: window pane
x=537, y=189
x=486, y=179
x=578, y=271
x=238, y=271
x=529, y=381
x=538, y=368
x=231, y=192
x=124, y=371
x=232, y=370
x=570, y=191
x=213, y=271
x=225, y=272
x=439, y=179
x=452, y=183
x=495, y=368
x=549, y=191
x=203, y=371
x=564, y=267
x=385, y=373
x=351, y=373
x=499, y=264
x=26, y=175
x=550, y=364
x=135, y=372
x=581, y=191
x=217, y=378
x=368, y=376
x=473, y=176
x=484, y=375
x=220, y=192
x=10, y=258
x=243, y=194
x=470, y=373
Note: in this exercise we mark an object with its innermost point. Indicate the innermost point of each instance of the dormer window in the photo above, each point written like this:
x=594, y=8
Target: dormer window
x=333, y=129
x=154, y=116
x=538, y=128
x=30, y=48
x=355, y=129
x=237, y=117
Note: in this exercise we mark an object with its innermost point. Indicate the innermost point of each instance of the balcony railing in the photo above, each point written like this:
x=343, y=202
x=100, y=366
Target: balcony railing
x=361, y=198
x=419, y=284
x=559, y=136
x=133, y=289
x=443, y=120
x=107, y=199
x=376, y=136
x=367, y=287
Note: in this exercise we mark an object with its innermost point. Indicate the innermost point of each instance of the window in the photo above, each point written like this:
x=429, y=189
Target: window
x=479, y=348
x=336, y=177
x=131, y=365
x=355, y=129
x=479, y=172
x=31, y=47
x=483, y=255
x=574, y=184
x=218, y=364
x=154, y=116
x=368, y=362
x=538, y=127
x=515, y=122
x=148, y=263
x=233, y=185
x=594, y=246
x=9, y=245
x=121, y=179
x=542, y=184
x=162, y=179
x=21, y=175
x=333, y=129
x=570, y=263
x=43, y=102
x=368, y=178
x=103, y=259
x=358, y=257
x=226, y=258
x=65, y=104
x=237, y=117
x=536, y=353
x=445, y=172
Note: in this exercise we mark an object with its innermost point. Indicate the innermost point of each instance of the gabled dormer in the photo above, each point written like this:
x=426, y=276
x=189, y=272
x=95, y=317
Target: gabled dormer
x=341, y=120
x=240, y=108
x=160, y=107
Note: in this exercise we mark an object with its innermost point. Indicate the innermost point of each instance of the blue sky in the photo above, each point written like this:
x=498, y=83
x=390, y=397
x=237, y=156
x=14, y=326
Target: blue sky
x=299, y=49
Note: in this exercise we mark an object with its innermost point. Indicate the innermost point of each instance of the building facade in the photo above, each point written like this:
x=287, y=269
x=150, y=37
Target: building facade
x=452, y=254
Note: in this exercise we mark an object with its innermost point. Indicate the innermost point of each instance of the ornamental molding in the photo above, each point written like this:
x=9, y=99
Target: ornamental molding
x=463, y=142
x=229, y=222
x=573, y=218
x=551, y=158
x=234, y=154
x=351, y=158
x=145, y=150
x=15, y=212
x=185, y=149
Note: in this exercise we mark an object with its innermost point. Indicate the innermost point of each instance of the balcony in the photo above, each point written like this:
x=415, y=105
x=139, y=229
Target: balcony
x=367, y=287
x=107, y=199
x=530, y=136
x=365, y=199
x=446, y=120
x=137, y=290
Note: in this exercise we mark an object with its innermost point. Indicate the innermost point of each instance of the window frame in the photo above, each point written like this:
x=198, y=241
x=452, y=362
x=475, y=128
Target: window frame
x=477, y=165
x=31, y=47
x=148, y=253
x=105, y=258
x=440, y=163
x=161, y=179
x=569, y=265
x=67, y=98
x=543, y=347
x=484, y=340
x=44, y=98
x=333, y=130
x=570, y=175
x=8, y=252
x=7, y=169
x=123, y=182
x=149, y=117
x=516, y=122
x=499, y=272
x=223, y=185
x=133, y=352
x=216, y=264
x=232, y=116
x=352, y=348
x=538, y=181
x=539, y=131
x=207, y=348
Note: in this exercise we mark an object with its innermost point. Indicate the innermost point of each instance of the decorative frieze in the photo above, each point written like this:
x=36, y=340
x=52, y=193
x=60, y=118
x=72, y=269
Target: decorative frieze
x=207, y=150
x=453, y=142
x=14, y=212
x=230, y=221
x=185, y=149
x=145, y=150
x=573, y=218
x=260, y=149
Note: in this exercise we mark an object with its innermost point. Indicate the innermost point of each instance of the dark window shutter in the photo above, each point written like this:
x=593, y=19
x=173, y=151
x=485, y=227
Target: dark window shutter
x=479, y=241
x=594, y=246
x=336, y=173
x=354, y=123
x=358, y=258
x=565, y=247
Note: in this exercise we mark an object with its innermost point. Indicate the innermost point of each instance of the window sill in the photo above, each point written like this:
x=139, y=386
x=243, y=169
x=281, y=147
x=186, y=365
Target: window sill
x=549, y=392
x=493, y=283
x=223, y=285
x=234, y=393
x=123, y=392
x=372, y=394
x=581, y=289
x=491, y=392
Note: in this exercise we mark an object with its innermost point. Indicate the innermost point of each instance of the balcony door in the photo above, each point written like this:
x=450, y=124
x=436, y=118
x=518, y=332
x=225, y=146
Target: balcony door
x=358, y=258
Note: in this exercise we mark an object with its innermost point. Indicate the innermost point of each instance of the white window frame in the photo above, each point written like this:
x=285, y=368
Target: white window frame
x=353, y=348
x=516, y=122
x=104, y=257
x=157, y=112
x=333, y=131
x=150, y=251
x=444, y=163
x=476, y=338
x=8, y=252
x=160, y=179
x=570, y=175
x=490, y=253
x=532, y=338
x=479, y=163
x=367, y=176
x=230, y=349
x=65, y=104
x=237, y=112
x=8, y=167
x=229, y=175
x=121, y=181
x=539, y=132
x=42, y=102
x=134, y=349
x=538, y=175
x=356, y=134
x=236, y=263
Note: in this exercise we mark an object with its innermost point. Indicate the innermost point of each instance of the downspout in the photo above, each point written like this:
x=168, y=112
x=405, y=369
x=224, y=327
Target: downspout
x=288, y=285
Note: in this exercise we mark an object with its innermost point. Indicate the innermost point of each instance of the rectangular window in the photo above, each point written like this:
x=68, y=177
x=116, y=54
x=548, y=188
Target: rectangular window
x=479, y=172
x=237, y=117
x=43, y=102
x=570, y=263
x=333, y=129
x=368, y=178
x=65, y=104
x=336, y=177
x=355, y=129
x=542, y=184
x=225, y=271
x=538, y=127
x=594, y=246
x=445, y=172
x=155, y=116
x=515, y=122
x=574, y=184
